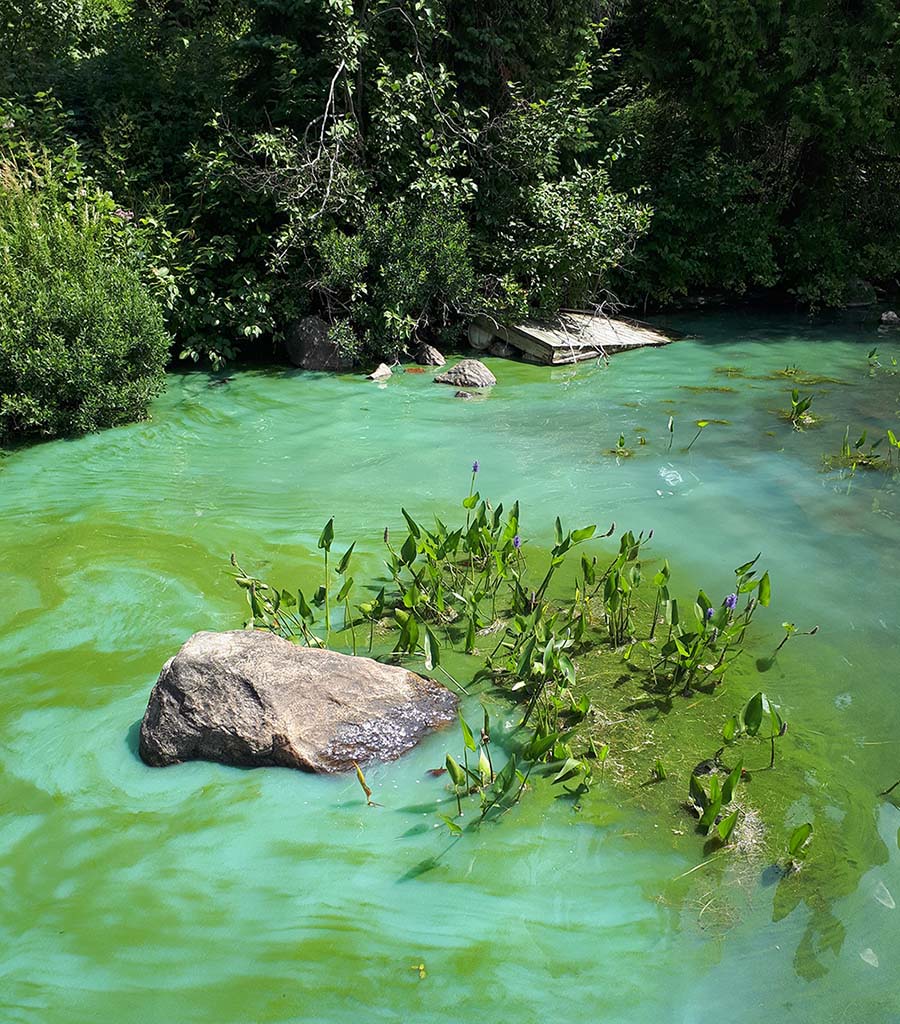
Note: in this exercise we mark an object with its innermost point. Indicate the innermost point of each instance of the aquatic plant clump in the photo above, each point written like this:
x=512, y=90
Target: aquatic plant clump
x=452, y=586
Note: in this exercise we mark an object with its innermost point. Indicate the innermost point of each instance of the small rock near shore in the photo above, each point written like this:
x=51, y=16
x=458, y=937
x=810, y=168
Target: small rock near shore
x=890, y=317
x=381, y=372
x=468, y=373
x=250, y=698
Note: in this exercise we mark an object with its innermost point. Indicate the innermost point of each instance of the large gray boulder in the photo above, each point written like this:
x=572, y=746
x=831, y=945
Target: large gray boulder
x=467, y=373
x=310, y=346
x=250, y=698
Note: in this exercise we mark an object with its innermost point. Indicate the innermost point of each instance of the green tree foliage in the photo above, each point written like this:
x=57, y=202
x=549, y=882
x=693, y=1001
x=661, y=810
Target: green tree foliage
x=768, y=141
x=400, y=165
x=82, y=345
x=395, y=167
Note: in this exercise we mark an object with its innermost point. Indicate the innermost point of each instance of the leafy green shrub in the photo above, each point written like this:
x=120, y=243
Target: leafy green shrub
x=82, y=344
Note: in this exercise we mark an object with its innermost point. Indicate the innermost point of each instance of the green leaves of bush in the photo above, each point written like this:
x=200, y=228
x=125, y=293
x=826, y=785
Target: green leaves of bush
x=82, y=344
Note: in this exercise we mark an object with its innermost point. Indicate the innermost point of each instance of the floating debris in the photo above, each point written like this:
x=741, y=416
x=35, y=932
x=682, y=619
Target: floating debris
x=870, y=956
x=884, y=897
x=569, y=337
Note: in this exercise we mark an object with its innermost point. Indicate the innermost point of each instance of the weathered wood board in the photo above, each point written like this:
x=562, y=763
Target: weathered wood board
x=569, y=337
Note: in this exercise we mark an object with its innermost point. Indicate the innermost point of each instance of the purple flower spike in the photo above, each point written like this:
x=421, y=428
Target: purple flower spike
x=710, y=612
x=731, y=602
x=517, y=542
x=475, y=466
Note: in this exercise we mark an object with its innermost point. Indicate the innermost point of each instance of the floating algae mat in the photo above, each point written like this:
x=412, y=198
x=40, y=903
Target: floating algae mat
x=200, y=893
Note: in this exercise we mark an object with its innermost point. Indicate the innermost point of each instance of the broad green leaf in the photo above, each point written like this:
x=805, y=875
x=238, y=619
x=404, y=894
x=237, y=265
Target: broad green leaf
x=468, y=738
x=411, y=523
x=539, y=746
x=452, y=825
x=753, y=714
x=470, y=637
x=327, y=535
x=457, y=775
x=571, y=767
x=583, y=534
x=505, y=777
x=747, y=566
x=345, y=561
x=345, y=590
x=408, y=551
x=305, y=611
x=708, y=818
x=698, y=793
x=730, y=784
x=798, y=840
x=765, y=590
x=726, y=826
x=568, y=668
x=432, y=649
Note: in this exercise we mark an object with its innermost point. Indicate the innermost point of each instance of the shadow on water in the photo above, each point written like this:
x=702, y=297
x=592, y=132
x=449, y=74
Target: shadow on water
x=133, y=739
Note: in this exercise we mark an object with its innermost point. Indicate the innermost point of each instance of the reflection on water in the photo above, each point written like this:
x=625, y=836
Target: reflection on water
x=200, y=893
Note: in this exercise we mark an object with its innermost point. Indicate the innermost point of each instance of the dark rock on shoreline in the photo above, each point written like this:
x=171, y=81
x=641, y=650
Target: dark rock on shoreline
x=428, y=355
x=249, y=698
x=310, y=346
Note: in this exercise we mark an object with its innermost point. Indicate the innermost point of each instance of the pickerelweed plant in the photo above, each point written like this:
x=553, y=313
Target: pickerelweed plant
x=799, y=415
x=468, y=588
x=859, y=454
x=710, y=801
x=695, y=650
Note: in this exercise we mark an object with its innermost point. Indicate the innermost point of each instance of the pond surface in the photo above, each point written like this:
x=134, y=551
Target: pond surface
x=203, y=894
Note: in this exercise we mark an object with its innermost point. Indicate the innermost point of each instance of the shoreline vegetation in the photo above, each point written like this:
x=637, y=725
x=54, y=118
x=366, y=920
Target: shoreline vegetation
x=394, y=171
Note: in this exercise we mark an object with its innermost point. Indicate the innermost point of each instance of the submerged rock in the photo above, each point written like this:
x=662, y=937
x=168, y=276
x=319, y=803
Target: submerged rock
x=468, y=373
x=250, y=698
x=310, y=346
x=890, y=317
x=428, y=355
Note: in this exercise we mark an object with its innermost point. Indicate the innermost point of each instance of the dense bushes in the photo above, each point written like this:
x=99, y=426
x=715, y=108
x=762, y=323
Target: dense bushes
x=399, y=167
x=82, y=345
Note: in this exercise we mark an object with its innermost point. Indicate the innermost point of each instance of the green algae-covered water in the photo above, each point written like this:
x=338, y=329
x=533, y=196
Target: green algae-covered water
x=200, y=893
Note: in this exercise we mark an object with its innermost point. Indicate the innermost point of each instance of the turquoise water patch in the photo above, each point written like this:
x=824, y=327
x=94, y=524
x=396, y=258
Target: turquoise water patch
x=205, y=894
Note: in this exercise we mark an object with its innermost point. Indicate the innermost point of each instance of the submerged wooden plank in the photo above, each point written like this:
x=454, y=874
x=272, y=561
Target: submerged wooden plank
x=570, y=337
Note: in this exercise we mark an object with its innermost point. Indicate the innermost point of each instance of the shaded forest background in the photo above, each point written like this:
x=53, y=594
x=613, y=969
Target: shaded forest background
x=397, y=166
